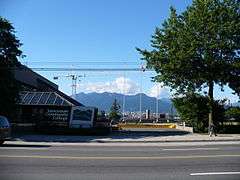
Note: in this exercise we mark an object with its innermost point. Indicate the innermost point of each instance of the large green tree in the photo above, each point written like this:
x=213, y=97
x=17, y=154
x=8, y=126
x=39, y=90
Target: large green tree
x=192, y=110
x=9, y=54
x=199, y=48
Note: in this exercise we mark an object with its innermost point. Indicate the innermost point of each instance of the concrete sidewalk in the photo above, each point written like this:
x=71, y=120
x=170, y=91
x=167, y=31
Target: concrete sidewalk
x=127, y=137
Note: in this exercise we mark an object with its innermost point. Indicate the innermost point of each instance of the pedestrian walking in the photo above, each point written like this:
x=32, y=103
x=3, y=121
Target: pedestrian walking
x=212, y=130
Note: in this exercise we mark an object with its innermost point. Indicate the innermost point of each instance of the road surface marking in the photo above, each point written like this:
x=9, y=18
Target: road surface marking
x=71, y=149
x=189, y=149
x=127, y=144
x=214, y=173
x=117, y=158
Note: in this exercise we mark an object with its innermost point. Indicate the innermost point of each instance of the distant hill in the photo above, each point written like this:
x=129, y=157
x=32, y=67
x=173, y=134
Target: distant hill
x=103, y=101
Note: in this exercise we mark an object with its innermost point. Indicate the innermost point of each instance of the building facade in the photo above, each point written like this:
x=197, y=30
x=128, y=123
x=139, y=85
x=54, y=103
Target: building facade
x=43, y=105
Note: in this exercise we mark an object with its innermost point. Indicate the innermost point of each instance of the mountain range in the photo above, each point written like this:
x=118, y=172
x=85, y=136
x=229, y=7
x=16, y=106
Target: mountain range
x=103, y=101
x=236, y=104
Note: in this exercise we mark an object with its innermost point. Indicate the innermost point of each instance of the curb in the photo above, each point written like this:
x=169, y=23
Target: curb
x=164, y=141
x=106, y=141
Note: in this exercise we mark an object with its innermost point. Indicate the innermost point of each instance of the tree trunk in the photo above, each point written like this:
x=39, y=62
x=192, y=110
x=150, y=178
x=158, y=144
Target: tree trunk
x=211, y=102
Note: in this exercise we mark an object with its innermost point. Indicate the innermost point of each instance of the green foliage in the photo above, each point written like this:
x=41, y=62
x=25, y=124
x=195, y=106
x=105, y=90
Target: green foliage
x=198, y=48
x=233, y=112
x=115, y=114
x=9, y=53
x=193, y=109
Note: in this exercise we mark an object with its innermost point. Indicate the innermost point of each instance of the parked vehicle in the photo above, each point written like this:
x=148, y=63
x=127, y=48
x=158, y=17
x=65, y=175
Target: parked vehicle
x=5, y=129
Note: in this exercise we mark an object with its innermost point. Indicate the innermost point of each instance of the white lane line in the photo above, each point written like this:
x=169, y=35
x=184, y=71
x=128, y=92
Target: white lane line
x=190, y=149
x=214, y=173
x=117, y=157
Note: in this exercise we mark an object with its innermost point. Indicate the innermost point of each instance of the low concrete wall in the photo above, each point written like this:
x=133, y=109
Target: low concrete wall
x=185, y=128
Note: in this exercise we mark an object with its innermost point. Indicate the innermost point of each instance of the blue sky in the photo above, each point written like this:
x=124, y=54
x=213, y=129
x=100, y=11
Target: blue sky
x=84, y=33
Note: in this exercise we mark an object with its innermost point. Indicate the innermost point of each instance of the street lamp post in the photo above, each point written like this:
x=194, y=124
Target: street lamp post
x=156, y=109
x=157, y=118
x=140, y=96
x=123, y=108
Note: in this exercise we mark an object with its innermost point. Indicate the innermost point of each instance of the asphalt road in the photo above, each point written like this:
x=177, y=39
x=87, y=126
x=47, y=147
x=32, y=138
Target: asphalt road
x=113, y=162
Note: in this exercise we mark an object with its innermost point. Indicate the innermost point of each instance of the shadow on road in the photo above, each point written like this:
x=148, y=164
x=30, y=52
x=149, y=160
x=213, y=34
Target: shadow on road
x=25, y=145
x=133, y=134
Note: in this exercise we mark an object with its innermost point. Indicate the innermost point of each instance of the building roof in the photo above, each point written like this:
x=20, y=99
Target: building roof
x=46, y=99
x=70, y=99
x=26, y=76
x=40, y=90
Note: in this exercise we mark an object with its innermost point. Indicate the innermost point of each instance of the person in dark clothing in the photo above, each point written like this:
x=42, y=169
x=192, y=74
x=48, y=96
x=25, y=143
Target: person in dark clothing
x=212, y=130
